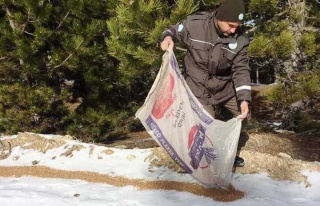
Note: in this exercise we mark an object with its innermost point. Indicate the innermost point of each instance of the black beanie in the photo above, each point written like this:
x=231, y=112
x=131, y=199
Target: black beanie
x=231, y=11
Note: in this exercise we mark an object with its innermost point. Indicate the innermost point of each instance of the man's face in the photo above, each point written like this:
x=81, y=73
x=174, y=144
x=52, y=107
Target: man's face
x=228, y=28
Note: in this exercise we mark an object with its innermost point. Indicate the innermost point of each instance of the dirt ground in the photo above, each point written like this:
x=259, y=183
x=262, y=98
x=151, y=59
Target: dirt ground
x=41, y=144
x=282, y=155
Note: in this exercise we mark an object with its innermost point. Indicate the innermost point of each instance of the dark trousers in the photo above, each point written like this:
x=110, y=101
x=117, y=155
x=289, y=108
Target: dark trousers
x=227, y=110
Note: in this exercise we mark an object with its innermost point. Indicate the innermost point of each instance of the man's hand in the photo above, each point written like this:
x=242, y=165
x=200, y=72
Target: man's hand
x=166, y=43
x=244, y=106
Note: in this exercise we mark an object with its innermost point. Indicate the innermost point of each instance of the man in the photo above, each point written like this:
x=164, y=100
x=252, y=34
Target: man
x=216, y=62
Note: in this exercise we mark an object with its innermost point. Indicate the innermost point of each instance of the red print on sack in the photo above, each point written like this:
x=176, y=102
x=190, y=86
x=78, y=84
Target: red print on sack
x=164, y=100
x=192, y=133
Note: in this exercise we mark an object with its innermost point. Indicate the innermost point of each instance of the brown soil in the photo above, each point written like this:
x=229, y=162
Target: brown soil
x=282, y=156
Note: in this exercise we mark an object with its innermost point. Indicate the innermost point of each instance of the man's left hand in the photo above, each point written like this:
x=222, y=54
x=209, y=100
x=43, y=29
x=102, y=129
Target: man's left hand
x=244, y=106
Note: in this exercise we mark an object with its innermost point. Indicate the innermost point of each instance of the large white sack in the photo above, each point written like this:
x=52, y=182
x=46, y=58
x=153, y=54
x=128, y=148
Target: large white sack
x=172, y=115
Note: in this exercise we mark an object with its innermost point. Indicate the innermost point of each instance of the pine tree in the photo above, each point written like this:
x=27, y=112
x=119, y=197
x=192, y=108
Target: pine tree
x=84, y=67
x=286, y=41
x=134, y=41
x=55, y=68
x=285, y=36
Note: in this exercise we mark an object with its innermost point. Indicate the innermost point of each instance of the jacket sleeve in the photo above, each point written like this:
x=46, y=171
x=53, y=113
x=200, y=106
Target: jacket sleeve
x=169, y=31
x=178, y=32
x=241, y=75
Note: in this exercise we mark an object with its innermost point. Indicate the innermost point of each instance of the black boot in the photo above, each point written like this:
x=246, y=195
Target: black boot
x=238, y=162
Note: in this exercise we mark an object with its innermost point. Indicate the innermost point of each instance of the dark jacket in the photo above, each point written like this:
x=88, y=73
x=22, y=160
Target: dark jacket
x=216, y=66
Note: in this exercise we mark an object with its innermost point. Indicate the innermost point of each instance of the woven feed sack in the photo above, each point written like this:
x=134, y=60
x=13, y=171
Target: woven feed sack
x=172, y=115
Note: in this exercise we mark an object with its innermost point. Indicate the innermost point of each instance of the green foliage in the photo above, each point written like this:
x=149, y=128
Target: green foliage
x=134, y=41
x=54, y=58
x=305, y=122
x=62, y=74
x=313, y=12
x=275, y=28
x=276, y=94
x=90, y=128
x=263, y=8
x=205, y=5
x=309, y=84
x=27, y=109
x=308, y=44
x=288, y=28
x=302, y=86
x=182, y=9
x=283, y=45
x=259, y=47
x=297, y=13
x=85, y=67
x=135, y=32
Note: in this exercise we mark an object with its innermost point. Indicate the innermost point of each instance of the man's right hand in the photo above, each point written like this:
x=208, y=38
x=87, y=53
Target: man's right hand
x=166, y=43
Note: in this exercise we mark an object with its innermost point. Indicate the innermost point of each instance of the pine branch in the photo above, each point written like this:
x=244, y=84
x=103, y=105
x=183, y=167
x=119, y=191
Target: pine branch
x=60, y=24
x=28, y=33
x=64, y=61
x=25, y=24
x=11, y=22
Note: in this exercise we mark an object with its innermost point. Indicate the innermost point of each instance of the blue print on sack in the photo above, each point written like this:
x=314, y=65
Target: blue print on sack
x=197, y=152
x=174, y=65
x=199, y=111
x=165, y=144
